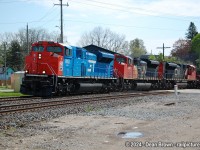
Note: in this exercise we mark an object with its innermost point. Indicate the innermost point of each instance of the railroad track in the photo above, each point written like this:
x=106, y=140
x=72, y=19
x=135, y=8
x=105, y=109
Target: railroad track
x=17, y=108
x=19, y=98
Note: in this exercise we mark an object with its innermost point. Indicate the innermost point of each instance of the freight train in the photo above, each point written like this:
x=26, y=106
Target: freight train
x=57, y=69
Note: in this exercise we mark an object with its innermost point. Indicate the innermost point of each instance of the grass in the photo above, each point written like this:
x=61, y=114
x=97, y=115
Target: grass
x=10, y=94
x=3, y=88
x=88, y=108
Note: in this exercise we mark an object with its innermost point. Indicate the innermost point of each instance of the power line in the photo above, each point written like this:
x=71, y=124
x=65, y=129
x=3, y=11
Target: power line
x=21, y=1
x=131, y=7
x=128, y=10
x=52, y=19
x=23, y=22
x=51, y=10
x=89, y=22
x=154, y=28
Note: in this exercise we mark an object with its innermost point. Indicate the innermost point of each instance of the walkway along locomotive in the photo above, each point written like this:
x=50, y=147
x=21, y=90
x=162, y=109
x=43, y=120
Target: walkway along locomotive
x=56, y=68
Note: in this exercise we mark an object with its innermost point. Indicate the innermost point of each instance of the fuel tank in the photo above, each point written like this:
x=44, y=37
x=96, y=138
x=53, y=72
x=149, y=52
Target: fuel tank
x=143, y=86
x=182, y=85
x=88, y=87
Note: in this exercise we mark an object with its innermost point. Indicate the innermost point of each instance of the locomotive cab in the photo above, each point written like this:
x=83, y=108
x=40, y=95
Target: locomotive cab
x=152, y=68
x=123, y=66
x=172, y=70
x=45, y=58
x=42, y=66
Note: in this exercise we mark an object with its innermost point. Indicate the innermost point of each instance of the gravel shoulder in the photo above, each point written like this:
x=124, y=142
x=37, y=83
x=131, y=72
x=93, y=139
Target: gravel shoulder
x=166, y=119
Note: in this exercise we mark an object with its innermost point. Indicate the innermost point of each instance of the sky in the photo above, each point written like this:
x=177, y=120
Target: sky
x=154, y=21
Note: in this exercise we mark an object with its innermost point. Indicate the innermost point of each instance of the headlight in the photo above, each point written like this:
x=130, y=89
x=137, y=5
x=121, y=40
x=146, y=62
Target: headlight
x=43, y=72
x=26, y=71
x=39, y=56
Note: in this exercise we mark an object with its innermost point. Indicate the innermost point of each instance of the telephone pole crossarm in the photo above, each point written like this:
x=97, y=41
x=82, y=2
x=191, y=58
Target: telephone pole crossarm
x=163, y=48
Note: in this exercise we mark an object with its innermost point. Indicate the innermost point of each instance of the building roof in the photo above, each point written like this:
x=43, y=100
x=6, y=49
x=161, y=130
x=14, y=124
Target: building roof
x=2, y=69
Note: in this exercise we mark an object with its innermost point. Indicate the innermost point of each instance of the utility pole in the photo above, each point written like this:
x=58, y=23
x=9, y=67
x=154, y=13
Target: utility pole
x=163, y=48
x=27, y=38
x=61, y=19
x=5, y=67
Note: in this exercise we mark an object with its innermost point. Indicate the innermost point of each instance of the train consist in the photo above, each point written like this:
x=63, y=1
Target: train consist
x=58, y=69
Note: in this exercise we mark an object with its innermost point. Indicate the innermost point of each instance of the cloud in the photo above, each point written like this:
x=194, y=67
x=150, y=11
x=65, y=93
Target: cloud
x=123, y=16
x=182, y=8
x=130, y=17
x=174, y=7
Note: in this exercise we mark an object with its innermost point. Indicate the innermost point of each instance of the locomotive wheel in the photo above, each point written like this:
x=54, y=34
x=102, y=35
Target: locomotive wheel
x=61, y=90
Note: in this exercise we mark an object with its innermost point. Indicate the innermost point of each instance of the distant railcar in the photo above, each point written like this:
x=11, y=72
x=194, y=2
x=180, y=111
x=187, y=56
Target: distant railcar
x=191, y=76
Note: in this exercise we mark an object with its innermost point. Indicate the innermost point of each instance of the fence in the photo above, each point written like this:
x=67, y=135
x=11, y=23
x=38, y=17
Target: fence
x=3, y=82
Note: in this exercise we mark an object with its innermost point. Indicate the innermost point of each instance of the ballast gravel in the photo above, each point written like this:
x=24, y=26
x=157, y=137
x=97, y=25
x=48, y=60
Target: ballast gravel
x=95, y=126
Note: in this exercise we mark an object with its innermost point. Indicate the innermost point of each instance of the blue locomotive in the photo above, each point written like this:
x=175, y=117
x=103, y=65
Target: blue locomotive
x=78, y=62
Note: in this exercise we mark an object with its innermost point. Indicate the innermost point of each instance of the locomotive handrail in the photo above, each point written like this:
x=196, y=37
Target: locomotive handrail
x=52, y=71
x=28, y=66
x=25, y=67
x=115, y=72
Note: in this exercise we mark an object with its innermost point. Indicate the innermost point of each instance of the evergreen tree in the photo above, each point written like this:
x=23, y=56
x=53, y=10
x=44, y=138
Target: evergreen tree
x=192, y=31
x=14, y=56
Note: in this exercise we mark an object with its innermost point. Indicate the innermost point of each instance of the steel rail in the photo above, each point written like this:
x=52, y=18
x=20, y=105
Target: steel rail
x=6, y=109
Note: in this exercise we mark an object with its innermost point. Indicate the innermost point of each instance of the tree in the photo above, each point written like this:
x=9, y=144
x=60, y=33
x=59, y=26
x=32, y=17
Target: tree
x=35, y=34
x=14, y=59
x=196, y=47
x=196, y=44
x=6, y=37
x=160, y=57
x=192, y=31
x=137, y=47
x=104, y=38
x=182, y=50
x=17, y=42
x=1, y=54
x=152, y=57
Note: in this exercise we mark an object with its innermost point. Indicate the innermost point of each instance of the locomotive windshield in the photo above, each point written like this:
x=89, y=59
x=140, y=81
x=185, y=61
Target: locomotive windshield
x=38, y=48
x=121, y=60
x=54, y=49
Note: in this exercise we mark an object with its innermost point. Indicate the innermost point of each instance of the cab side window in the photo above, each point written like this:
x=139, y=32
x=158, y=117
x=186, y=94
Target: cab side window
x=68, y=52
x=79, y=53
x=129, y=61
x=190, y=71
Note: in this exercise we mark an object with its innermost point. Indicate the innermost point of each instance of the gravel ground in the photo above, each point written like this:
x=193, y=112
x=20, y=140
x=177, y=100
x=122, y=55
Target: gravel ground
x=166, y=118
